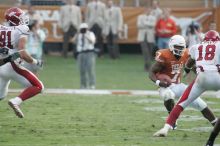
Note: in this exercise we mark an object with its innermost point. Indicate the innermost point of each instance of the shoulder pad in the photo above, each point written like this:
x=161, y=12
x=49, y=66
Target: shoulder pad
x=24, y=29
x=162, y=55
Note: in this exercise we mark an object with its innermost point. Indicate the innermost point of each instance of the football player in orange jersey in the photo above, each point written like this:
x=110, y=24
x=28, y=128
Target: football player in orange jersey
x=171, y=62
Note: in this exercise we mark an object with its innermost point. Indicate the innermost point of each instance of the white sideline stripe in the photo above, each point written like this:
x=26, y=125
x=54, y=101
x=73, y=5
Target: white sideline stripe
x=94, y=92
x=109, y=92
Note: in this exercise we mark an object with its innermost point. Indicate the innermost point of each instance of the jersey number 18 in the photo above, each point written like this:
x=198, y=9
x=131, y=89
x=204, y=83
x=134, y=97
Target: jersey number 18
x=209, y=52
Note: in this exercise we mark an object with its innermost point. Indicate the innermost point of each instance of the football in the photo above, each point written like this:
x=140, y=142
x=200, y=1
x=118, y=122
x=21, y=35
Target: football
x=164, y=77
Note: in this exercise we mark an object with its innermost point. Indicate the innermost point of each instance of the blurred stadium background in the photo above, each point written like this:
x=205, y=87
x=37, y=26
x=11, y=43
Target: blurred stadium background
x=49, y=11
x=59, y=119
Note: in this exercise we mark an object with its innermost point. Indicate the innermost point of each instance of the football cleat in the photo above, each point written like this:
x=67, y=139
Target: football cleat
x=161, y=133
x=209, y=143
x=16, y=108
x=174, y=127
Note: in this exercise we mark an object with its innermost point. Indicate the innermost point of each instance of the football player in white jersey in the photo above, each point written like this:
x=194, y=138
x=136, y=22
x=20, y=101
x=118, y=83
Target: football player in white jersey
x=206, y=57
x=170, y=62
x=14, y=38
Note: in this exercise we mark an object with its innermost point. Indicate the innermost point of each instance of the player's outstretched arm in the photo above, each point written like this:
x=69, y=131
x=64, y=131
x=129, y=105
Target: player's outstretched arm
x=155, y=68
x=24, y=55
x=189, y=66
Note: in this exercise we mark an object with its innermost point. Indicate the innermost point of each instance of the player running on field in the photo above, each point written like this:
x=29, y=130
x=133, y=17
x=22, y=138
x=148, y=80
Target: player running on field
x=14, y=37
x=206, y=57
x=170, y=62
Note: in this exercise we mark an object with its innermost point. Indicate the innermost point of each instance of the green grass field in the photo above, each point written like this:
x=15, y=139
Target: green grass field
x=125, y=73
x=79, y=120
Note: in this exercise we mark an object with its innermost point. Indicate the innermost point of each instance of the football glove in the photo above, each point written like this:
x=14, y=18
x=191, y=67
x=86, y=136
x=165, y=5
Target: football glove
x=4, y=51
x=162, y=84
x=39, y=63
x=186, y=71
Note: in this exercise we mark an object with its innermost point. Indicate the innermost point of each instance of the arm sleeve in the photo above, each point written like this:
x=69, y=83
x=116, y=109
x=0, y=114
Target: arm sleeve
x=140, y=23
x=92, y=37
x=120, y=17
x=23, y=29
x=152, y=22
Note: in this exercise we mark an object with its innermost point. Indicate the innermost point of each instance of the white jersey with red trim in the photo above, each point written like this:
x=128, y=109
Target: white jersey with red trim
x=10, y=35
x=206, y=55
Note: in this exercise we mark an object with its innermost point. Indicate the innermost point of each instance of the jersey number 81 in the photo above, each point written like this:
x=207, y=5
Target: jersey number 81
x=5, y=39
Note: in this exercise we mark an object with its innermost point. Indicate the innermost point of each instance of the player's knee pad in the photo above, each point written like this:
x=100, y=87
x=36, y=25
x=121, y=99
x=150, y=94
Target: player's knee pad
x=166, y=94
x=198, y=104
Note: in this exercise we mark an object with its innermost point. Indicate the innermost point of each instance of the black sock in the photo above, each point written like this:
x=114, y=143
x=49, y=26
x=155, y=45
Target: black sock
x=212, y=137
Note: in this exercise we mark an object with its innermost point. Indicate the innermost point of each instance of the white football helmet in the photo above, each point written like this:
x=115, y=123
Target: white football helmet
x=177, y=44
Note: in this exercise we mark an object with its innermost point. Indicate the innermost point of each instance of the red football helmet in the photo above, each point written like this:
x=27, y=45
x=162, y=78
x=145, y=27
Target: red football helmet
x=15, y=16
x=212, y=35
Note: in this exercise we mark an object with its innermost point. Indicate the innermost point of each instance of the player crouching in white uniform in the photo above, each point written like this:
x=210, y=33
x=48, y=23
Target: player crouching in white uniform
x=14, y=38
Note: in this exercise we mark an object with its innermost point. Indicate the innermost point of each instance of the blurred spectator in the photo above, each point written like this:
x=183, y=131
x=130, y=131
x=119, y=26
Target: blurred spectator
x=34, y=45
x=146, y=35
x=165, y=28
x=34, y=16
x=156, y=10
x=113, y=26
x=95, y=18
x=184, y=22
x=80, y=2
x=17, y=3
x=26, y=2
x=86, y=57
x=70, y=19
x=194, y=34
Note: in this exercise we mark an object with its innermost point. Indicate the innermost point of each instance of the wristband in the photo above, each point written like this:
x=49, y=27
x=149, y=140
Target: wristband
x=7, y=59
x=157, y=82
x=34, y=61
x=188, y=67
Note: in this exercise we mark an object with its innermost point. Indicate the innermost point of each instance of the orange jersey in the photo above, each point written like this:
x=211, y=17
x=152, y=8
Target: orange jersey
x=172, y=65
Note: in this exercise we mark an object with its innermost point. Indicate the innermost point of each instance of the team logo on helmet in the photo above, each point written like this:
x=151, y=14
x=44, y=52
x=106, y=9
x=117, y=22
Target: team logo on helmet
x=15, y=16
x=212, y=36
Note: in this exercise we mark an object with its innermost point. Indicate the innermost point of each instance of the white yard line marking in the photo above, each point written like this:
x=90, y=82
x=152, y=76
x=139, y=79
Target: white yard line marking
x=198, y=129
x=110, y=92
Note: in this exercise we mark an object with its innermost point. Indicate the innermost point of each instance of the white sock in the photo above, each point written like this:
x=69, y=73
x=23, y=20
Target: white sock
x=167, y=127
x=214, y=121
x=17, y=100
